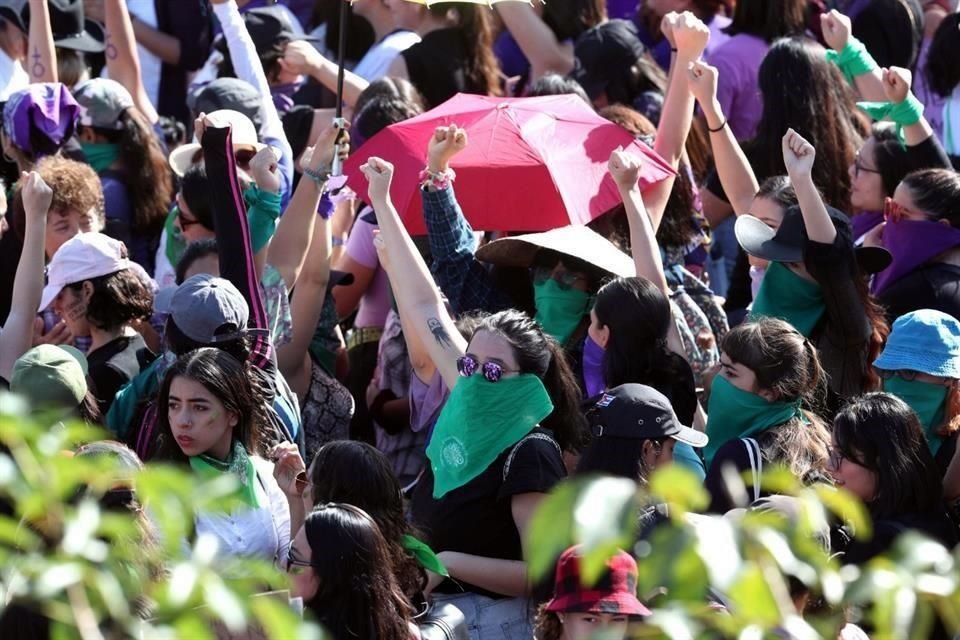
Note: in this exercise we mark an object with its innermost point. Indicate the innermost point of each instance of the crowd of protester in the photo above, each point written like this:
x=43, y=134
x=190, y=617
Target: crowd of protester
x=185, y=268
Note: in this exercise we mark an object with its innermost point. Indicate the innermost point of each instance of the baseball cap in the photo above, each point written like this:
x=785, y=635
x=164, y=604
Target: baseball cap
x=605, y=54
x=242, y=129
x=102, y=102
x=208, y=309
x=615, y=592
x=49, y=375
x=226, y=93
x=267, y=26
x=70, y=28
x=641, y=412
x=12, y=11
x=786, y=243
x=83, y=257
x=41, y=118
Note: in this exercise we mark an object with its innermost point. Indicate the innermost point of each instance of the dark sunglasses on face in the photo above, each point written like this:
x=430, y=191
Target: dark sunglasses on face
x=467, y=365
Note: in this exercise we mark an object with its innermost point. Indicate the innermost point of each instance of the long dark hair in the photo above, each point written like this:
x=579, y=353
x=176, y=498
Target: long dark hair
x=229, y=381
x=542, y=356
x=146, y=173
x=937, y=192
x=333, y=475
x=769, y=19
x=358, y=596
x=943, y=73
x=483, y=70
x=801, y=90
x=882, y=433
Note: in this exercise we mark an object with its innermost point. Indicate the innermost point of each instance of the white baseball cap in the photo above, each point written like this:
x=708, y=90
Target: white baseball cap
x=83, y=257
x=244, y=136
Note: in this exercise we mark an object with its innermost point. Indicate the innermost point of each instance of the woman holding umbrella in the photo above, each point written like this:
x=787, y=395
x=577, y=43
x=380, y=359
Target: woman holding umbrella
x=491, y=459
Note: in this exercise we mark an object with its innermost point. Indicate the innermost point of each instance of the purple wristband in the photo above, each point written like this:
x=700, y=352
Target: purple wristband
x=326, y=207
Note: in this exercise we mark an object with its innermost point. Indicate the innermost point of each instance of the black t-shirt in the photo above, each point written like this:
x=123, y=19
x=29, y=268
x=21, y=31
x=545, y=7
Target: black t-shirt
x=933, y=286
x=439, y=65
x=115, y=364
x=476, y=518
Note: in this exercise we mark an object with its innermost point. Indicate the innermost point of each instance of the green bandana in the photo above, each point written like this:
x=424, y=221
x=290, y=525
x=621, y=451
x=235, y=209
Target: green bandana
x=734, y=413
x=903, y=114
x=100, y=155
x=481, y=420
x=928, y=401
x=559, y=310
x=238, y=463
x=783, y=294
x=424, y=555
x=854, y=60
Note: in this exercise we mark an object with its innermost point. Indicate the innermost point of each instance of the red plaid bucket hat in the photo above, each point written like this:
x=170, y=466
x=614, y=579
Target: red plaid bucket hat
x=615, y=592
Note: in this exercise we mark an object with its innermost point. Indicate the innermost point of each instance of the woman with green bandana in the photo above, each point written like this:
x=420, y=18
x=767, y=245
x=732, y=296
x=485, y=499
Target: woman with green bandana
x=921, y=365
x=814, y=280
x=333, y=477
x=211, y=420
x=768, y=373
x=496, y=448
x=122, y=147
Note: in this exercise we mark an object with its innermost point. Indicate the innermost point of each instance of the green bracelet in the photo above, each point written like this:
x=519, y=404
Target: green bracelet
x=903, y=114
x=854, y=60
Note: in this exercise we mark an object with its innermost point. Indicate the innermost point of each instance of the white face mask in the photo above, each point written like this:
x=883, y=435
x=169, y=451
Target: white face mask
x=756, y=278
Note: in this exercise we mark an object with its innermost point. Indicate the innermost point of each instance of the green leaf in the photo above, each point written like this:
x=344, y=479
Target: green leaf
x=278, y=620
x=550, y=531
x=752, y=598
x=848, y=508
x=605, y=520
x=225, y=603
x=680, y=489
x=192, y=626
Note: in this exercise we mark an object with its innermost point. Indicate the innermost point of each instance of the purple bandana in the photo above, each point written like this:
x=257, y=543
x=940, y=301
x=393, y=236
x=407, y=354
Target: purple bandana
x=42, y=110
x=864, y=222
x=593, y=367
x=912, y=243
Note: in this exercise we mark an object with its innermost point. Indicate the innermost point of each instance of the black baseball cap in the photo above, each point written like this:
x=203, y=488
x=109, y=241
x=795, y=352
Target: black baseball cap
x=786, y=243
x=12, y=11
x=70, y=28
x=640, y=412
x=267, y=26
x=226, y=93
x=605, y=54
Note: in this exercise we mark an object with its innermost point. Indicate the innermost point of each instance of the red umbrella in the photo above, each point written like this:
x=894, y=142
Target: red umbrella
x=532, y=164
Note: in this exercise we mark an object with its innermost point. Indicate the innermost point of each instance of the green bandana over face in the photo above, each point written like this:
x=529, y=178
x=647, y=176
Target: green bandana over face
x=100, y=155
x=559, y=310
x=928, y=400
x=481, y=420
x=783, y=294
x=238, y=463
x=734, y=413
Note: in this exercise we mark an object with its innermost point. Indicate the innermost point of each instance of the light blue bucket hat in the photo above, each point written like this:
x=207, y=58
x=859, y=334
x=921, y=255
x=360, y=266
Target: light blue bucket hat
x=926, y=341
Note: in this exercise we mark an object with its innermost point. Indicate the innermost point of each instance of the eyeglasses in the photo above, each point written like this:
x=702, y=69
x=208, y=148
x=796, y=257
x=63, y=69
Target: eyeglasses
x=185, y=222
x=467, y=365
x=565, y=278
x=904, y=374
x=836, y=458
x=295, y=565
x=858, y=166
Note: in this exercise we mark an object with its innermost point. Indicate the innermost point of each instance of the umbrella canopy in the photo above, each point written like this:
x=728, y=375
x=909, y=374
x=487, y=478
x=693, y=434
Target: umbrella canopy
x=532, y=164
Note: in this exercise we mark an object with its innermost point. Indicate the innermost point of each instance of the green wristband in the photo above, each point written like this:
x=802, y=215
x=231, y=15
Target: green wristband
x=903, y=114
x=854, y=60
x=263, y=209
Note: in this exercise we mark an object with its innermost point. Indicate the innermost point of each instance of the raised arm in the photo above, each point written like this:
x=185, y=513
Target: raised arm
x=733, y=168
x=28, y=282
x=897, y=83
x=302, y=58
x=123, y=63
x=538, y=43
x=410, y=278
x=851, y=56
x=42, y=62
x=690, y=36
x=798, y=157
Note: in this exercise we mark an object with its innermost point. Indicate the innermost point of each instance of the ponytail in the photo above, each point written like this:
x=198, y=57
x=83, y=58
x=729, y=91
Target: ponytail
x=565, y=421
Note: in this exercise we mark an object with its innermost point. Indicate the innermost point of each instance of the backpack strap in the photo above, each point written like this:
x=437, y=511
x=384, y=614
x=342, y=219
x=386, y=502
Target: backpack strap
x=533, y=435
x=756, y=463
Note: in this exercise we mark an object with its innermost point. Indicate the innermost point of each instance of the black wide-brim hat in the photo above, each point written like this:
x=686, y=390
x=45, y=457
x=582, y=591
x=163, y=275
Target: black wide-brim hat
x=786, y=243
x=71, y=30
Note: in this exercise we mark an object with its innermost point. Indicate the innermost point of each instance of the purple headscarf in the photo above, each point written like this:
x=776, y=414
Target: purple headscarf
x=41, y=118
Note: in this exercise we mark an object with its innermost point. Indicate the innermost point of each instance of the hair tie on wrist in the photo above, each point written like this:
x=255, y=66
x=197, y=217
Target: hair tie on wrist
x=720, y=128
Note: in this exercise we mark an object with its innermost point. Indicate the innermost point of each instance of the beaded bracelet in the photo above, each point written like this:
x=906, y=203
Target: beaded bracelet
x=439, y=180
x=320, y=176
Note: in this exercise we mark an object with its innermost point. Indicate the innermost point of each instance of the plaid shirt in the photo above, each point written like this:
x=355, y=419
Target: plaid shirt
x=464, y=280
x=51, y=318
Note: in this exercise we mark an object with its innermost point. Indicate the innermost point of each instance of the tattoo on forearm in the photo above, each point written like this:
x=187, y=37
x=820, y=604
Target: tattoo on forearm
x=439, y=333
x=38, y=69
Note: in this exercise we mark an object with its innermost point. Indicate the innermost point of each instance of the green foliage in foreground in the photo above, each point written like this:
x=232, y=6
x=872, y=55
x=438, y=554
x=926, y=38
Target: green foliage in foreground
x=747, y=561
x=97, y=574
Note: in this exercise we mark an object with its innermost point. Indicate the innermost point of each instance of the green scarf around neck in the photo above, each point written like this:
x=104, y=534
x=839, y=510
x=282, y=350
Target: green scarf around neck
x=785, y=295
x=100, y=155
x=928, y=400
x=238, y=463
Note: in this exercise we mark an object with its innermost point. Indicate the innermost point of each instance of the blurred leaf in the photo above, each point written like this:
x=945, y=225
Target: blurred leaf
x=680, y=489
x=57, y=578
x=848, y=508
x=550, y=531
x=278, y=620
x=224, y=603
x=605, y=519
x=192, y=626
x=752, y=598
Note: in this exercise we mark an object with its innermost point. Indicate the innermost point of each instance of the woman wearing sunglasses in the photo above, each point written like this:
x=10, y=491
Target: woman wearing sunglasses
x=340, y=566
x=922, y=233
x=496, y=447
x=921, y=365
x=880, y=455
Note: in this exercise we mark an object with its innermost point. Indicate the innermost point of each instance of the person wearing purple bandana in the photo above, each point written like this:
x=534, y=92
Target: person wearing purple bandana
x=38, y=121
x=922, y=233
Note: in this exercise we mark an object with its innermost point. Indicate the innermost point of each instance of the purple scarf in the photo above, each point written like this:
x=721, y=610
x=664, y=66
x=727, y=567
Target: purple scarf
x=593, y=378
x=864, y=222
x=913, y=243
